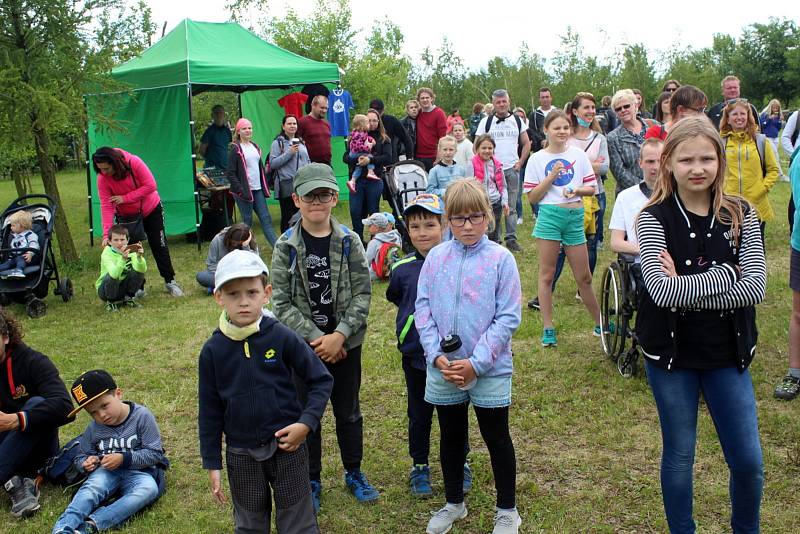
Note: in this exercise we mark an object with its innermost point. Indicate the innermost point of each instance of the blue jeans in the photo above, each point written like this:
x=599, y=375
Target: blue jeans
x=359, y=170
x=15, y=262
x=521, y=194
x=259, y=204
x=136, y=490
x=599, y=217
x=364, y=202
x=22, y=453
x=731, y=403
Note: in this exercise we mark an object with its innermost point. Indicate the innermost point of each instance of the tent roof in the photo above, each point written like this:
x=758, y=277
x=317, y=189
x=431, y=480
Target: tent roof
x=220, y=54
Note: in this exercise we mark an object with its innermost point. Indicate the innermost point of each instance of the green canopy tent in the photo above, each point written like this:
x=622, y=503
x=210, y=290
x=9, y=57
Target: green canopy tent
x=153, y=118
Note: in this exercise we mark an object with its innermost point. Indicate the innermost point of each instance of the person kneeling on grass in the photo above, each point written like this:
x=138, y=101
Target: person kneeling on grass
x=423, y=216
x=247, y=392
x=24, y=244
x=121, y=450
x=234, y=237
x=33, y=404
x=122, y=268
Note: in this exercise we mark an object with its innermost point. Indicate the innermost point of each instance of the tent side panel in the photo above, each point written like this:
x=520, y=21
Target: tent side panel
x=154, y=125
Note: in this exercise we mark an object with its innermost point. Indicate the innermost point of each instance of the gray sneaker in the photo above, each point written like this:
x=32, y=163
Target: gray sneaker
x=442, y=520
x=788, y=388
x=24, y=496
x=174, y=289
x=507, y=522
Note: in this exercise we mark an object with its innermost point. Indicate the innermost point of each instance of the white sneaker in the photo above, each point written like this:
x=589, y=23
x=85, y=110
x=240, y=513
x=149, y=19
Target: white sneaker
x=174, y=289
x=507, y=522
x=442, y=520
x=519, y=220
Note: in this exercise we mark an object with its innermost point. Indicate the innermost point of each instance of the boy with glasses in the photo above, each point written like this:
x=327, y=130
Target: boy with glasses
x=322, y=291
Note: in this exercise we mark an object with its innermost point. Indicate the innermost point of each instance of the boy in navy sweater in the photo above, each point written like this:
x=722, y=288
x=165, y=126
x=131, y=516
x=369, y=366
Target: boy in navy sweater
x=246, y=391
x=424, y=219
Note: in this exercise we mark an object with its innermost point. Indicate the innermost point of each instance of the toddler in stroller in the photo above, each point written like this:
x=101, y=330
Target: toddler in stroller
x=24, y=244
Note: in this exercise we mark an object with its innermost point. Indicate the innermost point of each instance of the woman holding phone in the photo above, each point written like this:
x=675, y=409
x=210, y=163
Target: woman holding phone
x=287, y=155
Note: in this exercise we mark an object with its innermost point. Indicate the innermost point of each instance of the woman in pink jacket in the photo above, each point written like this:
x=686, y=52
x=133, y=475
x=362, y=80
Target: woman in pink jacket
x=126, y=188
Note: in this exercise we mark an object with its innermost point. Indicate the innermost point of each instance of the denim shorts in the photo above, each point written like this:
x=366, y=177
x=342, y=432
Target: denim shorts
x=556, y=223
x=489, y=392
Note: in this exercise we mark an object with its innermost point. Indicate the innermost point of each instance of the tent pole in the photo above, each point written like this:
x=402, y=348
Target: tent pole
x=88, y=174
x=194, y=168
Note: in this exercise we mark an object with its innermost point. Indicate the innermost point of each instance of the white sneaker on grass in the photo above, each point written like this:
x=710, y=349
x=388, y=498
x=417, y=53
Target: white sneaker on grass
x=442, y=520
x=174, y=289
x=507, y=522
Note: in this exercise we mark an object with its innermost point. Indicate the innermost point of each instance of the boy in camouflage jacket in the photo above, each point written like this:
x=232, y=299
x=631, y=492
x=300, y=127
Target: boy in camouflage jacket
x=321, y=289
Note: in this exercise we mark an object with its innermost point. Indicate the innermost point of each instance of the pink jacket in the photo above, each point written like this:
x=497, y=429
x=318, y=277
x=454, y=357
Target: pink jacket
x=478, y=168
x=140, y=198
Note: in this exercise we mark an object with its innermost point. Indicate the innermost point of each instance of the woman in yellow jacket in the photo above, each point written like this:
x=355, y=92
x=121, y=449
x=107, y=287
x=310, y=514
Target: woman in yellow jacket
x=746, y=174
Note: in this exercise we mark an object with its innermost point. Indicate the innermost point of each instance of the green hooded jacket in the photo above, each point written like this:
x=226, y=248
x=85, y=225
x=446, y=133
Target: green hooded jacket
x=350, y=284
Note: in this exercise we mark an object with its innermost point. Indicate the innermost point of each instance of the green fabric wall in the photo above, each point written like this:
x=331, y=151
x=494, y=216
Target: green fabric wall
x=154, y=125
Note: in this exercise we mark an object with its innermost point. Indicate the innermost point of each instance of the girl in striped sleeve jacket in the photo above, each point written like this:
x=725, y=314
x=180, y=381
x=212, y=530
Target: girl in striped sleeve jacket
x=704, y=270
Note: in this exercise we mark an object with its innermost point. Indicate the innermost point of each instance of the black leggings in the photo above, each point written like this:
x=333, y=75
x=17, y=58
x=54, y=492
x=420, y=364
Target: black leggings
x=493, y=423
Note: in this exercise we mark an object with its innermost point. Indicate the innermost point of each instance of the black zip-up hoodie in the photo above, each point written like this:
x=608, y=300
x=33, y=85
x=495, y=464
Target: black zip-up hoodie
x=246, y=390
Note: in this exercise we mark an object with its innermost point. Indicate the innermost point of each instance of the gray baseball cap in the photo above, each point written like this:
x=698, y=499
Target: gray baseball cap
x=314, y=176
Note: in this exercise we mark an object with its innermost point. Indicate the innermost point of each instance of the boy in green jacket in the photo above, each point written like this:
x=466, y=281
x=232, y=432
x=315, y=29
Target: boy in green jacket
x=122, y=269
x=321, y=290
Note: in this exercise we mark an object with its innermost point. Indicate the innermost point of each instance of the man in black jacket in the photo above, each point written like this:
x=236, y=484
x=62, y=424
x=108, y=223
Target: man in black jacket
x=401, y=144
x=33, y=403
x=730, y=92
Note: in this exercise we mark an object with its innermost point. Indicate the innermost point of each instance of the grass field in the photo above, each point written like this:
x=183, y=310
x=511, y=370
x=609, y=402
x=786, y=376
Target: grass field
x=587, y=440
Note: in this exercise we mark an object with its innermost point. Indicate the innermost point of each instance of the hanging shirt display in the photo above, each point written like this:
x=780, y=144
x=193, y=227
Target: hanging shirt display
x=339, y=105
x=293, y=104
x=311, y=90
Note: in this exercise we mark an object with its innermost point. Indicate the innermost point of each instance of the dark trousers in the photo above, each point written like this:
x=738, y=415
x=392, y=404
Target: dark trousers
x=428, y=162
x=22, y=453
x=288, y=209
x=250, y=481
x=364, y=202
x=347, y=412
x=114, y=290
x=420, y=414
x=157, y=240
x=494, y=231
x=454, y=429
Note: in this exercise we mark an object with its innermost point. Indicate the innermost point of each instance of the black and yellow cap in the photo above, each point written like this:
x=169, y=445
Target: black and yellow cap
x=90, y=386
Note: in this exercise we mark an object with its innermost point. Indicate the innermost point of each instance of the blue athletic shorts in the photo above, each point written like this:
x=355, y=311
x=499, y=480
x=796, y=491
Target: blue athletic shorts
x=556, y=223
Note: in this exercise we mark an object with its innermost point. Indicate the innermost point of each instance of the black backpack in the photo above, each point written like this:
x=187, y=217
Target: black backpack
x=60, y=469
x=489, y=119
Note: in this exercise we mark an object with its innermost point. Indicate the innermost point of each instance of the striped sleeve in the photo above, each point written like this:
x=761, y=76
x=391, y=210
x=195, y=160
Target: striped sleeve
x=751, y=288
x=683, y=290
x=150, y=451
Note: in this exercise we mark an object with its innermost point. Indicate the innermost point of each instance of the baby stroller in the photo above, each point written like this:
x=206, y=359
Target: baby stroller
x=31, y=289
x=405, y=180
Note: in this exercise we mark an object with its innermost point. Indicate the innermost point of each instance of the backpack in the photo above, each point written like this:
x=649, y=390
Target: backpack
x=387, y=256
x=488, y=124
x=272, y=174
x=60, y=468
x=761, y=140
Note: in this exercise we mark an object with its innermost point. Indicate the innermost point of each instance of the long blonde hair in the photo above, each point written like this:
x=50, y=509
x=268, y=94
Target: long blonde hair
x=727, y=210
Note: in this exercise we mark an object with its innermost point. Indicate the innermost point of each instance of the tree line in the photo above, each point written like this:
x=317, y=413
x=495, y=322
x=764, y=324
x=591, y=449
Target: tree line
x=54, y=51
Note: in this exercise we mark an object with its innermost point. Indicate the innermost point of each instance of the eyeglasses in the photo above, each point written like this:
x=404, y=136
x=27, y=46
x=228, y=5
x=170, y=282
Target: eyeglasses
x=322, y=198
x=623, y=106
x=476, y=218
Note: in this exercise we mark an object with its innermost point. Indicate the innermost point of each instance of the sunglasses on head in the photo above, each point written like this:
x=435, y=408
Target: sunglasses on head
x=623, y=106
x=733, y=101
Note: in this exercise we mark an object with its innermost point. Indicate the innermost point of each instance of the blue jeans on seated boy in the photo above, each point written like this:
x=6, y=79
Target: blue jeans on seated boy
x=14, y=262
x=731, y=403
x=259, y=204
x=136, y=489
x=22, y=453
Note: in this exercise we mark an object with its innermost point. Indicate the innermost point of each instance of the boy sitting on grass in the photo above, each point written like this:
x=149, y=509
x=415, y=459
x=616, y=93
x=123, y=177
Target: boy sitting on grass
x=121, y=450
x=247, y=392
x=423, y=216
x=122, y=269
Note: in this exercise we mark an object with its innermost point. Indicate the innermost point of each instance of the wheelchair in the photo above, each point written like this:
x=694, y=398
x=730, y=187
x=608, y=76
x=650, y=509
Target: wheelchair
x=622, y=282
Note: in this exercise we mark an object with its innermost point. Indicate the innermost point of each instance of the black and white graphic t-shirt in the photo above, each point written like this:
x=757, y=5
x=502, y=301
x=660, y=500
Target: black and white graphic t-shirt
x=318, y=270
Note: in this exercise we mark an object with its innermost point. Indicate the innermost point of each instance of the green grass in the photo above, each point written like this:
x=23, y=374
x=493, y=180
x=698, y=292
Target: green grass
x=587, y=440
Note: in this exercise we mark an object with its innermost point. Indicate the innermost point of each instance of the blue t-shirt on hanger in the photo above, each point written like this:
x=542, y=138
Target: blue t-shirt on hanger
x=339, y=105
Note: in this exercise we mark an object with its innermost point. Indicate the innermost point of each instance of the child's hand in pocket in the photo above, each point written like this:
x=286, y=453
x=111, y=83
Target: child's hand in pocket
x=291, y=437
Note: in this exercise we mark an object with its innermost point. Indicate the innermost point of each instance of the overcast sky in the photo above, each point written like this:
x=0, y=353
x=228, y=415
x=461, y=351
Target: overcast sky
x=478, y=33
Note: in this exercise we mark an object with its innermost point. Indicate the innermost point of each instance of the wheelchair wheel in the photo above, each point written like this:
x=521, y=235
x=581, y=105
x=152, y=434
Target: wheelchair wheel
x=613, y=300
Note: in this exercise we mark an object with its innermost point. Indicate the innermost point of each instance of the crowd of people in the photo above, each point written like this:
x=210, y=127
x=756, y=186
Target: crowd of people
x=692, y=202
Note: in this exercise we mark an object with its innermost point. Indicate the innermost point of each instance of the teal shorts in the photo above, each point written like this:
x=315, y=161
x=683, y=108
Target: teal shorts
x=489, y=392
x=556, y=223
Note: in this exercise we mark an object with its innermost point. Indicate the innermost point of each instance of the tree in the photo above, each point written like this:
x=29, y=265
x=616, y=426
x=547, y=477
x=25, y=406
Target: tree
x=50, y=51
x=637, y=72
x=762, y=60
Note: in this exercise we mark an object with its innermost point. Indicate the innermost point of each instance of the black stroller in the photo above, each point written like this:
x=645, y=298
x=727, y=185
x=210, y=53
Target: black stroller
x=32, y=288
x=404, y=180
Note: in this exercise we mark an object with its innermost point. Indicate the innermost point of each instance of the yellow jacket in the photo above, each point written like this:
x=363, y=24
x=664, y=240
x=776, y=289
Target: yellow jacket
x=744, y=176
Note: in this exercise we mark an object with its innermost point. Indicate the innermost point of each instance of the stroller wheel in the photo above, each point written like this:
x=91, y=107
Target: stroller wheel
x=5, y=300
x=36, y=308
x=65, y=289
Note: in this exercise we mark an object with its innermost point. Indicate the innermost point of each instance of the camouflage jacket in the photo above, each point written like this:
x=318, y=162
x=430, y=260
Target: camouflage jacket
x=350, y=284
